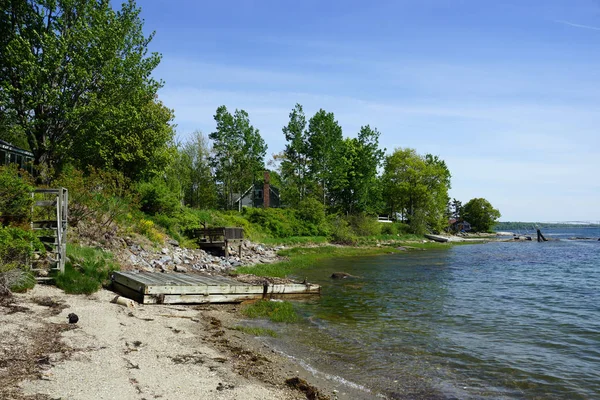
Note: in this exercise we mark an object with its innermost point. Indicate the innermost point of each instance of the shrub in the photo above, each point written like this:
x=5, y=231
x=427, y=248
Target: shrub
x=388, y=229
x=15, y=195
x=311, y=210
x=364, y=225
x=157, y=198
x=104, y=196
x=87, y=270
x=16, y=247
x=341, y=231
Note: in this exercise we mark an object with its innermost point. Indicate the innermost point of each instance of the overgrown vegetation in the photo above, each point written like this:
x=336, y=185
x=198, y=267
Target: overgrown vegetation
x=87, y=270
x=276, y=311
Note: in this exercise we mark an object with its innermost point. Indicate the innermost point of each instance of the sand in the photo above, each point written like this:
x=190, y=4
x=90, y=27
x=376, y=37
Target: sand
x=145, y=352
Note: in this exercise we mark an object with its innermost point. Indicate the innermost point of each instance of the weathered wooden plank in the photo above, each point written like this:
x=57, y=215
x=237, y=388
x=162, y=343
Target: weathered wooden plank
x=128, y=292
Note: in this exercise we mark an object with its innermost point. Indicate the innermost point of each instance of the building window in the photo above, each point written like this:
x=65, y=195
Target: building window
x=2, y=157
x=258, y=194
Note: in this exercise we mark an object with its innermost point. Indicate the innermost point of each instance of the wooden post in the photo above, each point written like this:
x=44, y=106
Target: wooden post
x=540, y=237
x=266, y=190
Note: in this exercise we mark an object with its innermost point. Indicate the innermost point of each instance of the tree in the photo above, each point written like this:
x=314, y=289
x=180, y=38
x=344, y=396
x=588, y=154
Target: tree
x=480, y=214
x=294, y=159
x=194, y=172
x=238, y=153
x=326, y=154
x=76, y=80
x=363, y=158
x=455, y=209
x=416, y=187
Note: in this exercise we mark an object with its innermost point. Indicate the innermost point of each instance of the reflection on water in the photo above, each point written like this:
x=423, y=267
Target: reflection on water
x=501, y=320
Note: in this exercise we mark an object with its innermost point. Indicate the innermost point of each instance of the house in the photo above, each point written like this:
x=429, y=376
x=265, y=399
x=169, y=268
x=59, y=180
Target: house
x=456, y=225
x=10, y=154
x=260, y=194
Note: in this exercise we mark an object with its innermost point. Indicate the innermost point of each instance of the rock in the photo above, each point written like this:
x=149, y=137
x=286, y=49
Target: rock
x=179, y=268
x=165, y=251
x=342, y=275
x=176, y=260
x=173, y=242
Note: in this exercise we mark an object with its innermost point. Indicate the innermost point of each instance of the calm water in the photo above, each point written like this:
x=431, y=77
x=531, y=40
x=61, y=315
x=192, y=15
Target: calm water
x=493, y=321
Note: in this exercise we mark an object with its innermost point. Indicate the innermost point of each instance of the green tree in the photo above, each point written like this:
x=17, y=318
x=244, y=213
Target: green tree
x=363, y=158
x=194, y=173
x=416, y=187
x=76, y=80
x=480, y=214
x=326, y=153
x=294, y=159
x=238, y=153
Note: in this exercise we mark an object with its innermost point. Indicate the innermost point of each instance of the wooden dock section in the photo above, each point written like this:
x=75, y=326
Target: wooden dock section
x=161, y=288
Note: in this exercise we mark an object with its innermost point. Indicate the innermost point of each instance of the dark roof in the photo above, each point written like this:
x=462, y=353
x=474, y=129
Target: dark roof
x=10, y=147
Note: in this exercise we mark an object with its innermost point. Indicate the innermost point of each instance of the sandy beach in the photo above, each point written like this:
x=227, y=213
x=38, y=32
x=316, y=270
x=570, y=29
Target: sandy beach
x=144, y=352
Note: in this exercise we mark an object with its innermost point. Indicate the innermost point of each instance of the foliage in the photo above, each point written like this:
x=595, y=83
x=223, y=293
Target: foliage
x=191, y=170
x=341, y=232
x=16, y=247
x=311, y=210
x=255, y=331
x=15, y=195
x=276, y=311
x=238, y=153
x=87, y=270
x=364, y=225
x=480, y=214
x=326, y=152
x=416, y=187
x=295, y=160
x=156, y=198
x=363, y=158
x=104, y=196
x=282, y=223
x=76, y=79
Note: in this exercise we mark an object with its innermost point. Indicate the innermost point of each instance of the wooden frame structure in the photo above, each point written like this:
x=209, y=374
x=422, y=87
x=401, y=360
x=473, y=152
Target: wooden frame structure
x=220, y=238
x=160, y=288
x=50, y=211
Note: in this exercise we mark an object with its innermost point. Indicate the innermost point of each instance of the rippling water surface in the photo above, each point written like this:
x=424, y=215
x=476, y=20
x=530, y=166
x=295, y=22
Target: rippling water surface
x=500, y=320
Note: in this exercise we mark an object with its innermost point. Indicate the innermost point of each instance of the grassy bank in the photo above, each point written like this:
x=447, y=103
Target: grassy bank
x=302, y=257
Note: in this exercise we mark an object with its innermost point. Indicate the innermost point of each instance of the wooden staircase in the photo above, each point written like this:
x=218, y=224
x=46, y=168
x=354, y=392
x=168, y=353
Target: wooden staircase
x=49, y=220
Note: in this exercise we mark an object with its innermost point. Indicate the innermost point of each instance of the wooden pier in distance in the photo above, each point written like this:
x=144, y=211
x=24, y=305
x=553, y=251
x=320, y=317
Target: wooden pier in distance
x=220, y=238
x=161, y=288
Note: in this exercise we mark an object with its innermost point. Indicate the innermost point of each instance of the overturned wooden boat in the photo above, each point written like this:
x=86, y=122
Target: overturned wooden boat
x=161, y=288
x=437, y=238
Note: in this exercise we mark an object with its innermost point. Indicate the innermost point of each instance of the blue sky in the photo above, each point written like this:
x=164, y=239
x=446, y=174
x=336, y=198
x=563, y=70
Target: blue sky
x=507, y=93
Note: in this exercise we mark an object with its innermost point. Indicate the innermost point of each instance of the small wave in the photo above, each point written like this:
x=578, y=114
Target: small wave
x=324, y=375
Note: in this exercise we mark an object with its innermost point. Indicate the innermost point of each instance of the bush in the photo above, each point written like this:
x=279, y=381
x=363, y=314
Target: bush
x=157, y=198
x=87, y=270
x=15, y=195
x=311, y=210
x=364, y=225
x=16, y=247
x=341, y=231
x=104, y=196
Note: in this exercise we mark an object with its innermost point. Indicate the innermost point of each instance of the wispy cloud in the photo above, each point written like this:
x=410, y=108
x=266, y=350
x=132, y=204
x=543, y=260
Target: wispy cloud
x=593, y=28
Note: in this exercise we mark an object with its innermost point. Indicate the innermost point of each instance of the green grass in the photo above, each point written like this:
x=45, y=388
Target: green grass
x=276, y=311
x=255, y=331
x=300, y=258
x=87, y=270
x=294, y=240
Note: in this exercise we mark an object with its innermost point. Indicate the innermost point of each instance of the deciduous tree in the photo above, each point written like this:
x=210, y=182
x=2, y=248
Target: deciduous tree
x=480, y=214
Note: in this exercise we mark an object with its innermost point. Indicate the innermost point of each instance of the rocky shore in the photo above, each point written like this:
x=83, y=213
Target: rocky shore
x=173, y=258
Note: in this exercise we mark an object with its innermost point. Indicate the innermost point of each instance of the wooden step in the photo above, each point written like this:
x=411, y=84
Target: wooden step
x=45, y=203
x=44, y=224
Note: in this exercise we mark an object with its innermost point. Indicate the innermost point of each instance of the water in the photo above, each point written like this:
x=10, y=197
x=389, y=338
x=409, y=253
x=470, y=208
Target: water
x=492, y=321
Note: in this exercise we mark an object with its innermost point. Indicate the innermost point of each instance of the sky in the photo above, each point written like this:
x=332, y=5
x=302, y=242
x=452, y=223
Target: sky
x=506, y=92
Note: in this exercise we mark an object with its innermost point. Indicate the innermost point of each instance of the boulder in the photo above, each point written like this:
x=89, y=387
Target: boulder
x=342, y=275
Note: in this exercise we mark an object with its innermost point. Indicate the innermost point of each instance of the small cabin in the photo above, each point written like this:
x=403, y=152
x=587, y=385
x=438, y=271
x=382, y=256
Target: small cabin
x=10, y=154
x=260, y=195
x=459, y=226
